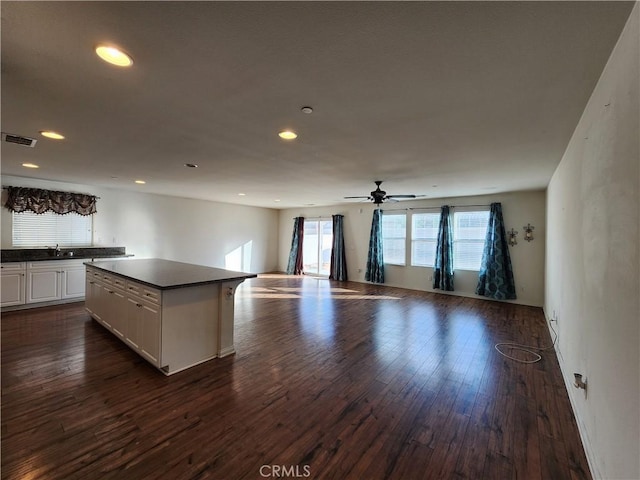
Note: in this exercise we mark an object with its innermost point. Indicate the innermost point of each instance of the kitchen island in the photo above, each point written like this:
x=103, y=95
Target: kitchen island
x=175, y=315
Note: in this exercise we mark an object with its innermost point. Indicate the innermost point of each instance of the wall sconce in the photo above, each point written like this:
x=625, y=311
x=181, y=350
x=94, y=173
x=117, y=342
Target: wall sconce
x=512, y=237
x=528, y=232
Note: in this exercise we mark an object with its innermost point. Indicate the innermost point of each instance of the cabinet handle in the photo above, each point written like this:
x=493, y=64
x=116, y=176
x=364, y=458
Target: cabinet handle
x=138, y=305
x=91, y=283
x=110, y=291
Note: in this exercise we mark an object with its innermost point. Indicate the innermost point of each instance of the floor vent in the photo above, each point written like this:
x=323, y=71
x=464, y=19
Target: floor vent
x=19, y=139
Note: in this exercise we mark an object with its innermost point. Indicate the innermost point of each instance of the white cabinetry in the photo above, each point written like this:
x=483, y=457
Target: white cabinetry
x=130, y=310
x=55, y=280
x=13, y=283
x=43, y=285
x=174, y=327
x=73, y=284
x=143, y=328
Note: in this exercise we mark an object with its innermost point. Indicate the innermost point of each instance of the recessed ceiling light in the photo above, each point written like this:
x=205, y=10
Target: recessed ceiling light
x=140, y=182
x=288, y=135
x=51, y=134
x=30, y=165
x=306, y=110
x=191, y=165
x=277, y=200
x=242, y=194
x=114, y=56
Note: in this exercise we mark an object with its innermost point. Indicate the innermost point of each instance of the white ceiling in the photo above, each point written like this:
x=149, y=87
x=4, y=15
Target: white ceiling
x=435, y=98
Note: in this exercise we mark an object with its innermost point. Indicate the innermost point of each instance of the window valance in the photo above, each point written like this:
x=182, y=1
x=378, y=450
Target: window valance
x=21, y=199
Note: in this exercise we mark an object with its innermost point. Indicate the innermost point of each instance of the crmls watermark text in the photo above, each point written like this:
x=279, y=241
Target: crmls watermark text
x=285, y=471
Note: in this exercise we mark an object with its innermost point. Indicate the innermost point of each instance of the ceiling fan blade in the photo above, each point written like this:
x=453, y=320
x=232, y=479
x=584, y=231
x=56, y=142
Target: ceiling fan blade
x=358, y=197
x=401, y=196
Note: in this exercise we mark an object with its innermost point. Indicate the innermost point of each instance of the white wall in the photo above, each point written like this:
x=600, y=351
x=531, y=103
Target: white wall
x=180, y=229
x=593, y=264
x=519, y=208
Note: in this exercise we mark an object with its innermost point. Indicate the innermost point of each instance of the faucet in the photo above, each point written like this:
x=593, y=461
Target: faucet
x=57, y=250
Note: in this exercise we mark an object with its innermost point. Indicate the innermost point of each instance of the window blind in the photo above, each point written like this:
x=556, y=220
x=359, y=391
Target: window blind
x=424, y=237
x=394, y=235
x=48, y=229
x=469, y=232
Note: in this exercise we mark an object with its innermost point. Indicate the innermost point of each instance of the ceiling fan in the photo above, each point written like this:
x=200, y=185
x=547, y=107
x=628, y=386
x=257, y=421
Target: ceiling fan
x=378, y=196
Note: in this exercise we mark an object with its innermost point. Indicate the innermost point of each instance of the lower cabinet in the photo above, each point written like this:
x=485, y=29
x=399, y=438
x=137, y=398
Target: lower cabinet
x=43, y=285
x=112, y=306
x=171, y=328
x=13, y=284
x=143, y=328
x=72, y=283
x=54, y=280
x=129, y=310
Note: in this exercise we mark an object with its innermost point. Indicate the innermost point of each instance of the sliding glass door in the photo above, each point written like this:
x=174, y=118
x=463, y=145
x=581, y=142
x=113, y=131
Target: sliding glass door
x=316, y=246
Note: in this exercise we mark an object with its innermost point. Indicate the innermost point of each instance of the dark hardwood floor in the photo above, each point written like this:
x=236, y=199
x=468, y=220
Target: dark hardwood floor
x=330, y=381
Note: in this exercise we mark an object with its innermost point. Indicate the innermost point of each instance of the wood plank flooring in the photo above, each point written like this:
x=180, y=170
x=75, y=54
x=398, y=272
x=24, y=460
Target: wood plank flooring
x=330, y=381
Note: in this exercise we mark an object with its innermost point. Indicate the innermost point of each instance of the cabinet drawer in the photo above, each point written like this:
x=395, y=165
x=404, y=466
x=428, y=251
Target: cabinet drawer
x=55, y=264
x=119, y=283
x=106, y=278
x=13, y=266
x=133, y=288
x=150, y=294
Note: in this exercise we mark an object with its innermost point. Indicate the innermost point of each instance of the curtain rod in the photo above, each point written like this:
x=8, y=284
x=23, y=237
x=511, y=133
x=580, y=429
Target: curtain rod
x=434, y=207
x=315, y=218
x=452, y=206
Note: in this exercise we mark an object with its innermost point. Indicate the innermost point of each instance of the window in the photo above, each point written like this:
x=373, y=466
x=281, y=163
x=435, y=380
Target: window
x=424, y=236
x=469, y=232
x=49, y=228
x=394, y=238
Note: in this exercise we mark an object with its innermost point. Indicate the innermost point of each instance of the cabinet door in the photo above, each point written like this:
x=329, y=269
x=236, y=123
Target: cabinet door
x=12, y=288
x=73, y=283
x=150, y=335
x=117, y=308
x=103, y=304
x=89, y=299
x=133, y=327
x=43, y=285
x=95, y=299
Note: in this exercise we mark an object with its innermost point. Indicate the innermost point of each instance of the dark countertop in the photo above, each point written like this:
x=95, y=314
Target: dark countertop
x=166, y=274
x=42, y=254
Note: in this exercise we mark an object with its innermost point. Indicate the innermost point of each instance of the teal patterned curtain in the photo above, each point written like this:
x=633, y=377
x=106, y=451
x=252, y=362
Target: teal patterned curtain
x=375, y=261
x=294, y=266
x=443, y=265
x=496, y=275
x=338, y=261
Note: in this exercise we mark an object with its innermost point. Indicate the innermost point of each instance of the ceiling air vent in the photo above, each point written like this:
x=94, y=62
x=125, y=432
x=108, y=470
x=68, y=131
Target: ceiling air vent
x=19, y=139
